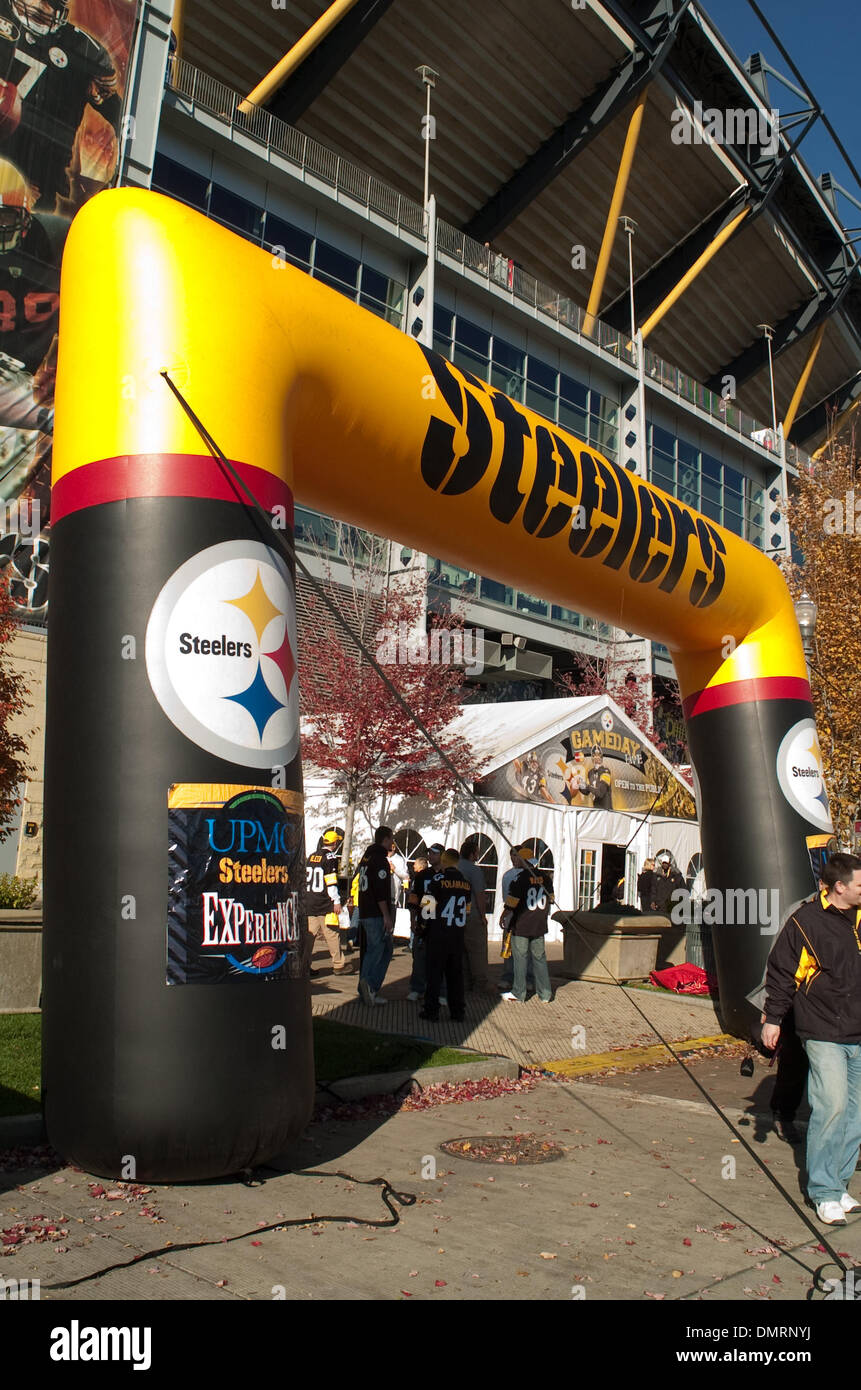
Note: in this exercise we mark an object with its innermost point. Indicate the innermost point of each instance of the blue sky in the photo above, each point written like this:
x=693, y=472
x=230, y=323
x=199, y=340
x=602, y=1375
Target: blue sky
x=824, y=41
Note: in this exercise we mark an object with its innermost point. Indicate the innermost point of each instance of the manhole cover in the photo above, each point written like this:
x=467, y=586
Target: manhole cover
x=503, y=1148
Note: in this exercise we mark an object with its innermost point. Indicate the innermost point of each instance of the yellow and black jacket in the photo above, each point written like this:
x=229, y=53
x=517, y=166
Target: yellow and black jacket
x=815, y=967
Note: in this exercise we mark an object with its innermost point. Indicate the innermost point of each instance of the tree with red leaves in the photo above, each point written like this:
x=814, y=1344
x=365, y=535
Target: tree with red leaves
x=13, y=702
x=353, y=727
x=633, y=693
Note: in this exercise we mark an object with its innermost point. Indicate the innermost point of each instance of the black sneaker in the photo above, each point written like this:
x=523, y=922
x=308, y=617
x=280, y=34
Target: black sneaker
x=432, y=1018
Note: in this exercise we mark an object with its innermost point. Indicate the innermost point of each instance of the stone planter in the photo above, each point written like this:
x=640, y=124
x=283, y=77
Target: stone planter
x=20, y=959
x=626, y=946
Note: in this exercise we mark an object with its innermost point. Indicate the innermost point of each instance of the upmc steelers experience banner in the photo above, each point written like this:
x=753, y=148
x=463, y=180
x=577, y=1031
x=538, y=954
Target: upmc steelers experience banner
x=235, y=868
x=63, y=75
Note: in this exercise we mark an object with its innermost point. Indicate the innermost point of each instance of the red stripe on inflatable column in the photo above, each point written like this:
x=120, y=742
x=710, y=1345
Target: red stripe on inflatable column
x=746, y=692
x=165, y=475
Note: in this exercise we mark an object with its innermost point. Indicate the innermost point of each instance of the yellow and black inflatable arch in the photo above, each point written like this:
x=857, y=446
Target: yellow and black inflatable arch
x=177, y=1028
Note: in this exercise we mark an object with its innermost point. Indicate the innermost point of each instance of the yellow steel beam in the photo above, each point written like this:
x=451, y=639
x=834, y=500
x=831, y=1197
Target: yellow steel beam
x=296, y=55
x=177, y=24
x=690, y=275
x=837, y=427
x=612, y=223
x=798, y=393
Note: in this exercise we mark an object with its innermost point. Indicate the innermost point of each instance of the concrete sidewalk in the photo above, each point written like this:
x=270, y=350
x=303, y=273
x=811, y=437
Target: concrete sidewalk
x=583, y=1018
x=653, y=1198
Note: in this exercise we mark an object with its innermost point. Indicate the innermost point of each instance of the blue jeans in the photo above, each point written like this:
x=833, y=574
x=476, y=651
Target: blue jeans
x=379, y=948
x=834, y=1131
x=419, y=977
x=524, y=949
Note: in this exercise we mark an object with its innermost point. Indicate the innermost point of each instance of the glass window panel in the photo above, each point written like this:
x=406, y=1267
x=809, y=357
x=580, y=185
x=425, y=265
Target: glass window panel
x=537, y=606
x=170, y=177
x=442, y=321
x=542, y=401
x=574, y=392
x=296, y=244
x=664, y=441
x=374, y=285
x=573, y=419
x=509, y=382
x=235, y=212
x=470, y=362
x=469, y=335
x=538, y=373
x=495, y=592
x=334, y=268
x=507, y=357
x=733, y=482
x=687, y=456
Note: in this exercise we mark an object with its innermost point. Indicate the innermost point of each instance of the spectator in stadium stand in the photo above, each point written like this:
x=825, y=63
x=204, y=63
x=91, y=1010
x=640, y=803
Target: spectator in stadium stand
x=645, y=883
x=376, y=915
x=815, y=969
x=527, y=907
x=418, y=888
x=666, y=881
x=475, y=936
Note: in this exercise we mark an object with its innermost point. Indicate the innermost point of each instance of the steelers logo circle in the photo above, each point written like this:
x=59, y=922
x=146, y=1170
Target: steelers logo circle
x=799, y=772
x=220, y=654
x=58, y=57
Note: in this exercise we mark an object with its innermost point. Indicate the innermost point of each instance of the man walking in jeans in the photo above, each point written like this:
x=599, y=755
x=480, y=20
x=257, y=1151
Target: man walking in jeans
x=815, y=967
x=375, y=915
x=527, y=905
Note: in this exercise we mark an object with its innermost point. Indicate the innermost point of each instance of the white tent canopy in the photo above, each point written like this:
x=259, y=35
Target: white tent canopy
x=581, y=845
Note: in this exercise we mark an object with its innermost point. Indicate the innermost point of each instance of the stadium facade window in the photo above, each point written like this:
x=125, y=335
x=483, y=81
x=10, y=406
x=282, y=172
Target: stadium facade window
x=235, y=212
x=297, y=245
x=380, y=293
x=508, y=368
x=719, y=491
x=471, y=348
x=180, y=183
x=335, y=268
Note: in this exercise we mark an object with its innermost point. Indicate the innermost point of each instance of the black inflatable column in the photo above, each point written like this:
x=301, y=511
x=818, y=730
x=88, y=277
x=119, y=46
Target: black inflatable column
x=177, y=1023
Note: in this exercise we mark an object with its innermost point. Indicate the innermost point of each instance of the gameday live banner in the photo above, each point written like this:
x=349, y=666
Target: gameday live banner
x=63, y=76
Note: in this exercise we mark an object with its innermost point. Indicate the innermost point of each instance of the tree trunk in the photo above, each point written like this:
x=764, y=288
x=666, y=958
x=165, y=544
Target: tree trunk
x=349, y=820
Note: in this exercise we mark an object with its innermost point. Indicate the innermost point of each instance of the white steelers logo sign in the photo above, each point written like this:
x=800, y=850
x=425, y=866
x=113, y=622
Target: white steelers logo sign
x=220, y=654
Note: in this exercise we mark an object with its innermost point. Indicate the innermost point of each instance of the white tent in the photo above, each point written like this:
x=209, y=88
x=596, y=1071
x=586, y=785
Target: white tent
x=529, y=753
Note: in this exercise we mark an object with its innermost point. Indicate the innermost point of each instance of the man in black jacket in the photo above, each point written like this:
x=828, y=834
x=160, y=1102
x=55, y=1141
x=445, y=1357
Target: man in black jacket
x=815, y=967
x=666, y=881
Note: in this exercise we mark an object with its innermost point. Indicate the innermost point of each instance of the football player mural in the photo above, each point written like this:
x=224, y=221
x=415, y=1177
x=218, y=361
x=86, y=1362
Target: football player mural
x=62, y=77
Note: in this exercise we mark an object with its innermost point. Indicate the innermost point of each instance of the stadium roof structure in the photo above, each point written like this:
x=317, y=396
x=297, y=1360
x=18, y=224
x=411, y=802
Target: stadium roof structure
x=533, y=103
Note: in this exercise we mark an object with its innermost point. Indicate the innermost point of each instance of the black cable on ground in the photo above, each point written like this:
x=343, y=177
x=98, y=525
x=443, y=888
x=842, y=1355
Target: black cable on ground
x=290, y=554
x=390, y=1197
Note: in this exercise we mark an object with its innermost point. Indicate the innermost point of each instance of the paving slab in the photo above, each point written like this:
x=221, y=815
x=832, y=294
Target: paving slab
x=584, y=1017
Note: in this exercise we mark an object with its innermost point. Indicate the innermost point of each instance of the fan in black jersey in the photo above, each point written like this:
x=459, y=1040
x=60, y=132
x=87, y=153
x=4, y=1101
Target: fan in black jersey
x=50, y=72
x=444, y=908
x=322, y=898
x=527, y=906
x=31, y=246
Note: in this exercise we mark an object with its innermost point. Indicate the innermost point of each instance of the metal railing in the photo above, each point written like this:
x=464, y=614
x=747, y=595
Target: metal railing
x=310, y=157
